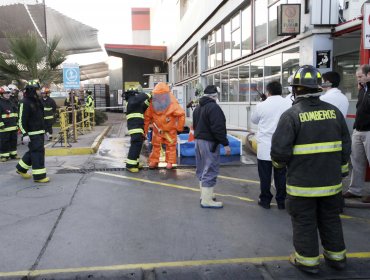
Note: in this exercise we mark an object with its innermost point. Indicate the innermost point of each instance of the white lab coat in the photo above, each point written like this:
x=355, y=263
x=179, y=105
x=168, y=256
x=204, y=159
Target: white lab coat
x=335, y=97
x=266, y=115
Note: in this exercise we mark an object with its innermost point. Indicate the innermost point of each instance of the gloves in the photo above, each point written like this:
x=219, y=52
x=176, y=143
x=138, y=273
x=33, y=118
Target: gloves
x=26, y=139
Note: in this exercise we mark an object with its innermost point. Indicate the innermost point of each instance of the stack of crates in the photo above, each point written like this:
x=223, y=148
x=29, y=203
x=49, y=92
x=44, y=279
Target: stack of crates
x=100, y=93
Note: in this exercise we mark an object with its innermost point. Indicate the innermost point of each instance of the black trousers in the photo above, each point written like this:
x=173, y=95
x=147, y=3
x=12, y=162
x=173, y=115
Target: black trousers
x=49, y=125
x=136, y=144
x=265, y=169
x=8, y=144
x=311, y=215
x=34, y=157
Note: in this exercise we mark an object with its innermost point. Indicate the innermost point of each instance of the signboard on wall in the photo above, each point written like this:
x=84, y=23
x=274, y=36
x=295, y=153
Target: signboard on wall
x=119, y=97
x=289, y=19
x=366, y=26
x=323, y=59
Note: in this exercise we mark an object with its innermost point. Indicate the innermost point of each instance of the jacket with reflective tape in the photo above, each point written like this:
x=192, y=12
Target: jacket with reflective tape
x=135, y=113
x=31, y=116
x=8, y=115
x=50, y=107
x=313, y=140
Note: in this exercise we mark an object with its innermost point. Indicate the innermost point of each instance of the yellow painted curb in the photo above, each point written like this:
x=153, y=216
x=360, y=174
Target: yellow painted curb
x=62, y=151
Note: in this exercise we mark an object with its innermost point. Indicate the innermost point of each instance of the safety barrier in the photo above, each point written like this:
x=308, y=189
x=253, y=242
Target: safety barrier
x=73, y=122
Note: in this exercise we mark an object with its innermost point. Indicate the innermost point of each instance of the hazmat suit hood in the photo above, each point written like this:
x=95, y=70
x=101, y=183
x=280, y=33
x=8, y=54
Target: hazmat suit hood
x=161, y=98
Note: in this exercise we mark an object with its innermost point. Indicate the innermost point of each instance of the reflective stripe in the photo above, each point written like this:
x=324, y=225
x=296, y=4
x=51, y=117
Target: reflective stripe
x=13, y=153
x=148, y=94
x=1, y=123
x=147, y=102
x=315, y=148
x=24, y=165
x=131, y=161
x=39, y=171
x=49, y=117
x=36, y=132
x=335, y=256
x=6, y=116
x=20, y=124
x=313, y=191
x=11, y=128
x=135, y=115
x=307, y=261
x=345, y=168
x=4, y=155
x=48, y=108
x=136, y=130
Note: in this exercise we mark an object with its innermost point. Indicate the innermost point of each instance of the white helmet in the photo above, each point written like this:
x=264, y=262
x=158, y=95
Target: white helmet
x=12, y=87
x=6, y=89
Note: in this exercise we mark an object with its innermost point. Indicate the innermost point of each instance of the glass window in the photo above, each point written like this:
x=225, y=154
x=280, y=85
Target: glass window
x=211, y=50
x=289, y=66
x=235, y=36
x=273, y=23
x=224, y=86
x=246, y=30
x=219, y=47
x=256, y=85
x=227, y=42
x=273, y=68
x=209, y=80
x=217, y=81
x=244, y=83
x=260, y=23
x=234, y=84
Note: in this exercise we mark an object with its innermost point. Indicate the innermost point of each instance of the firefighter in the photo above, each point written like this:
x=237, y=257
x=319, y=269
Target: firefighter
x=50, y=109
x=135, y=123
x=8, y=126
x=89, y=105
x=313, y=141
x=31, y=124
x=167, y=118
x=68, y=104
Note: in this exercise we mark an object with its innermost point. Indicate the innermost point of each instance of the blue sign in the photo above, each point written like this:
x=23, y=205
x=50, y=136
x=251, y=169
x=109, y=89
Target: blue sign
x=71, y=76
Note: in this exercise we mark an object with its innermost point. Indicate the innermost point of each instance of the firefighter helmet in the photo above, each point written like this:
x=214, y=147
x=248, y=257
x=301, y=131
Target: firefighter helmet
x=33, y=84
x=129, y=93
x=307, y=76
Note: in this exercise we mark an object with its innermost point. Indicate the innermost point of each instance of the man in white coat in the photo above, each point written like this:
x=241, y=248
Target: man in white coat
x=333, y=95
x=266, y=116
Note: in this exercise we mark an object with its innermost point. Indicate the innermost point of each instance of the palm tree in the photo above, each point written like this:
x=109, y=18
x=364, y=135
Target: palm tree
x=30, y=58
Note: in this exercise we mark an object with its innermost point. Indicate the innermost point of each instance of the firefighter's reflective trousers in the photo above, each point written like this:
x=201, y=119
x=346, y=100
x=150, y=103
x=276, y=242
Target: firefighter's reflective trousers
x=8, y=144
x=136, y=143
x=34, y=158
x=313, y=215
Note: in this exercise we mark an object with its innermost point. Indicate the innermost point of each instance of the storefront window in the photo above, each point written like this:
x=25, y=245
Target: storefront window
x=256, y=85
x=224, y=86
x=234, y=84
x=244, y=83
x=260, y=23
x=219, y=47
x=290, y=65
x=211, y=50
x=235, y=36
x=273, y=23
x=273, y=68
x=246, y=30
x=227, y=42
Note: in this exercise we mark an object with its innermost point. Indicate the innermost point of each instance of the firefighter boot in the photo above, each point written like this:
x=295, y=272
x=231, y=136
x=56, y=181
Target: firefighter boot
x=24, y=175
x=3, y=159
x=207, y=199
x=314, y=269
x=132, y=169
x=43, y=180
x=338, y=265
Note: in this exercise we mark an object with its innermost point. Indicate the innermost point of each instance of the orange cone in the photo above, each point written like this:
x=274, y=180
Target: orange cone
x=191, y=135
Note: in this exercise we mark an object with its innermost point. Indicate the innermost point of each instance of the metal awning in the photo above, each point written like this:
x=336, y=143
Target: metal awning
x=145, y=51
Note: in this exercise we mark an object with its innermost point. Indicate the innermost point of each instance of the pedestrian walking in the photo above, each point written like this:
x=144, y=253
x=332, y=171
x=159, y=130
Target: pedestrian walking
x=360, y=157
x=136, y=106
x=333, y=94
x=50, y=109
x=8, y=126
x=31, y=124
x=313, y=141
x=209, y=124
x=266, y=115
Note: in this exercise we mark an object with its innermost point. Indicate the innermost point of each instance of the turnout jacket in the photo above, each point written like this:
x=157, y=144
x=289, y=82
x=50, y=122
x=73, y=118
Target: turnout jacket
x=209, y=122
x=89, y=105
x=313, y=140
x=50, y=107
x=31, y=116
x=8, y=115
x=135, y=112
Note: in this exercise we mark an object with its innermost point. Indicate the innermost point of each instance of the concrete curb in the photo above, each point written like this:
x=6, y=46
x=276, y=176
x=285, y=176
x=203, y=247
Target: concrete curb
x=78, y=150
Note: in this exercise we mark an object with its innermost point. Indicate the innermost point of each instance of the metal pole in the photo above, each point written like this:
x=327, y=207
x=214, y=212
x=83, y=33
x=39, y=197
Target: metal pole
x=73, y=117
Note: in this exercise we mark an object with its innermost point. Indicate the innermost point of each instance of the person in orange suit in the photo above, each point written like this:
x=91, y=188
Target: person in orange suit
x=167, y=118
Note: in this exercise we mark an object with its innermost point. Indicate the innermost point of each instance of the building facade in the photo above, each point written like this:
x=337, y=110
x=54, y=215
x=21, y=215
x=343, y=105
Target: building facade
x=235, y=45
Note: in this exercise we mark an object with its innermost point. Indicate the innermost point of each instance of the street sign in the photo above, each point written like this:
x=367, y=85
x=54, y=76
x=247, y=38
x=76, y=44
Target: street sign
x=71, y=76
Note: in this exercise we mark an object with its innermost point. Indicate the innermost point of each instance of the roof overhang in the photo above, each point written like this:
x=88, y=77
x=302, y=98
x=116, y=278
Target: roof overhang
x=144, y=51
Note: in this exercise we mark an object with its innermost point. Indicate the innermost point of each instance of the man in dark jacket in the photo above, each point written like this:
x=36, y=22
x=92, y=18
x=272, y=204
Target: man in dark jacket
x=313, y=141
x=50, y=109
x=31, y=124
x=136, y=107
x=210, y=131
x=8, y=126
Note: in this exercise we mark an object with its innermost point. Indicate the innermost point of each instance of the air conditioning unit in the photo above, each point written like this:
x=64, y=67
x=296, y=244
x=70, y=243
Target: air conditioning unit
x=352, y=9
x=324, y=12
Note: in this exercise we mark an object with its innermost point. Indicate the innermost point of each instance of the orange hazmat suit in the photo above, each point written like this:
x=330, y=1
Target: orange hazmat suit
x=167, y=118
